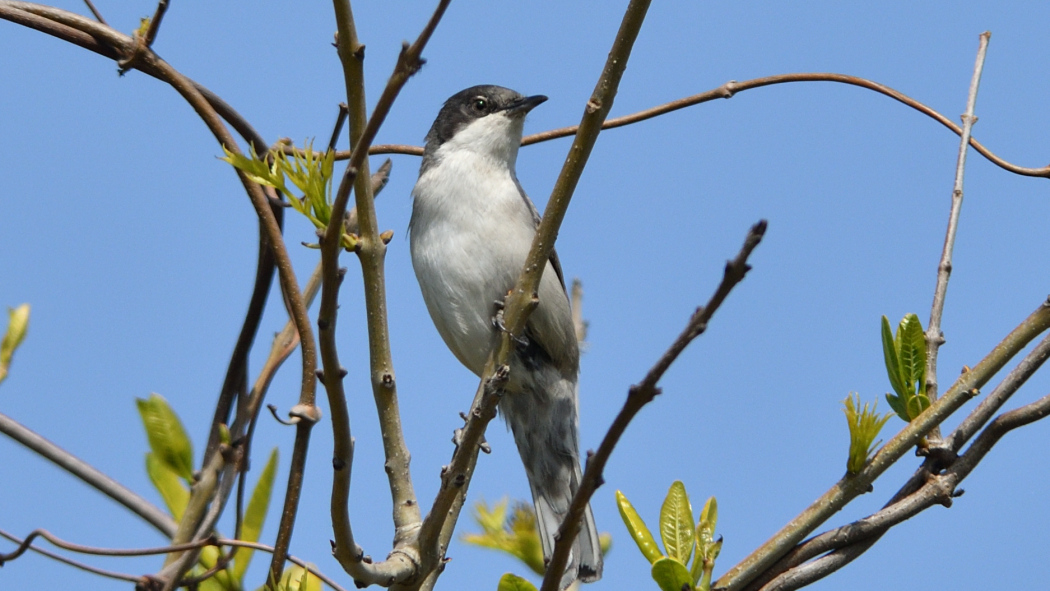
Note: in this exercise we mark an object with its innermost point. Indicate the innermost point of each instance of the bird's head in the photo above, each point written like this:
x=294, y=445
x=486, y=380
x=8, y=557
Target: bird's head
x=486, y=120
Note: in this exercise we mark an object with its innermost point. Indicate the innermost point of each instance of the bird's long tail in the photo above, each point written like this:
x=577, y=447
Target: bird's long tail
x=541, y=412
x=585, y=561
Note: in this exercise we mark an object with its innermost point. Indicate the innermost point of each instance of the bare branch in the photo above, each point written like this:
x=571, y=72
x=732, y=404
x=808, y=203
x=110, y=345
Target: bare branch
x=934, y=335
x=204, y=503
x=939, y=489
x=371, y=252
x=93, y=477
x=637, y=397
x=111, y=43
x=994, y=401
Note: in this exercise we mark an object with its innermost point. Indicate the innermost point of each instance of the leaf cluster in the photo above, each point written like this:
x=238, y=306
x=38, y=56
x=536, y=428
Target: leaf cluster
x=308, y=171
x=515, y=534
x=681, y=539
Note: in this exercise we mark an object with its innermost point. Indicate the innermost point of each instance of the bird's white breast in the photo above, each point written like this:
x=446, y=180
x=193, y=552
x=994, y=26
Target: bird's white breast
x=471, y=230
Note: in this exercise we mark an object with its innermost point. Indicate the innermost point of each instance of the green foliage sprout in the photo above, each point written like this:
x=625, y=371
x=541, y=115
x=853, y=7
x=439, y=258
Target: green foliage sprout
x=864, y=426
x=514, y=532
x=17, y=325
x=905, y=356
x=309, y=172
x=680, y=539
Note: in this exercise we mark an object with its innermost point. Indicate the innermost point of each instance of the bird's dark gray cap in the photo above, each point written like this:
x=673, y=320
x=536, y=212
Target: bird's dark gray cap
x=469, y=105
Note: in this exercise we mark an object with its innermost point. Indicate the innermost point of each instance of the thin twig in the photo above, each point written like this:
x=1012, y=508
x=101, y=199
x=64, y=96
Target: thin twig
x=90, y=475
x=934, y=334
x=338, y=127
x=203, y=493
x=26, y=544
x=731, y=89
x=75, y=564
x=994, y=401
x=106, y=41
x=290, y=287
x=94, y=11
x=851, y=486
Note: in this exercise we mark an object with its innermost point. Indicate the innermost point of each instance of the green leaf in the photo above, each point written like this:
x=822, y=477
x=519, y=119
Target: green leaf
x=705, y=535
x=17, y=325
x=912, y=347
x=255, y=515
x=891, y=356
x=167, y=438
x=168, y=484
x=898, y=406
x=636, y=527
x=221, y=580
x=296, y=578
x=672, y=575
x=709, y=515
x=213, y=584
x=917, y=404
x=676, y=523
x=509, y=582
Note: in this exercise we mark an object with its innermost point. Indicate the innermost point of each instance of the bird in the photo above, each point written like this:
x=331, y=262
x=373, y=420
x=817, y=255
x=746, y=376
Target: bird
x=471, y=228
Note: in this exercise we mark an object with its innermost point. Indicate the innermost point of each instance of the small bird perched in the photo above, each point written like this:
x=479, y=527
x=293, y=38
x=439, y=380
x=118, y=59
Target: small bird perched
x=471, y=229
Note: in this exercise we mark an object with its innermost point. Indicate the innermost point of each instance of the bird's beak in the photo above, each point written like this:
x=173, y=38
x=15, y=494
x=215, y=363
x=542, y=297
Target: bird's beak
x=525, y=104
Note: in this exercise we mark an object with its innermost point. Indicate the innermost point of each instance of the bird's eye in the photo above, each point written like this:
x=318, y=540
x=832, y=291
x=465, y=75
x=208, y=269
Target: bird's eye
x=479, y=105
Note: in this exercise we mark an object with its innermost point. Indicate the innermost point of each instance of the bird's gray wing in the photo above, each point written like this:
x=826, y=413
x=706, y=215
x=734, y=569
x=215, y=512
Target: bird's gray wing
x=555, y=263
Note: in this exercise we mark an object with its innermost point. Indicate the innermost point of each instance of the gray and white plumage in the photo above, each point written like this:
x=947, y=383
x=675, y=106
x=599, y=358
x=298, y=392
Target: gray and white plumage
x=471, y=229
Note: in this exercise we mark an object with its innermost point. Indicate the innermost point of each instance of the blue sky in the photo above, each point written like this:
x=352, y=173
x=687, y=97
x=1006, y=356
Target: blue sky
x=136, y=247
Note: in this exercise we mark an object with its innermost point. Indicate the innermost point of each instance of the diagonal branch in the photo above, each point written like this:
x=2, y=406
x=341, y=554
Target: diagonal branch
x=455, y=478
x=637, y=397
x=89, y=474
x=938, y=489
x=851, y=486
x=851, y=540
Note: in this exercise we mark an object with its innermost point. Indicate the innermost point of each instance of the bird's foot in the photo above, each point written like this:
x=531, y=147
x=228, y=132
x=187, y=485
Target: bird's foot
x=497, y=321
